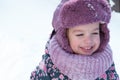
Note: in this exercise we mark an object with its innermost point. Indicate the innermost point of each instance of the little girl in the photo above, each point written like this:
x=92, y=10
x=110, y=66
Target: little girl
x=78, y=48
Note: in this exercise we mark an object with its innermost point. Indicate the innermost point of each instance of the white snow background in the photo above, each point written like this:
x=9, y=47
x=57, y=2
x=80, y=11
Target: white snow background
x=25, y=26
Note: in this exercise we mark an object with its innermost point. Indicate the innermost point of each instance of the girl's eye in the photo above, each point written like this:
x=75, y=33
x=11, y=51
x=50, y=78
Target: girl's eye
x=95, y=33
x=79, y=34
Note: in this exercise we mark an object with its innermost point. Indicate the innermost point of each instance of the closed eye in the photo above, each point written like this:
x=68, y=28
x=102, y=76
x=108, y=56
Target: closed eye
x=95, y=33
x=79, y=34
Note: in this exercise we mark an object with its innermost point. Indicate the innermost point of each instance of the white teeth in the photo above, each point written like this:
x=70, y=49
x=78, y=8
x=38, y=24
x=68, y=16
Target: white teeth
x=88, y=48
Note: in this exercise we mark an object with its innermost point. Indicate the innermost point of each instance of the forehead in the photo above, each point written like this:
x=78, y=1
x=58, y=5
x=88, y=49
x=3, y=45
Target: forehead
x=86, y=27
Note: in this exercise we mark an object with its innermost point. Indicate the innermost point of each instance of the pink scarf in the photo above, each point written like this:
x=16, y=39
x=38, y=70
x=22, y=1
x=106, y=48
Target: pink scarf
x=79, y=67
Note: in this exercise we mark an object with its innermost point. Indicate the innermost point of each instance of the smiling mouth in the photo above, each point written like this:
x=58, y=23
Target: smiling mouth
x=87, y=49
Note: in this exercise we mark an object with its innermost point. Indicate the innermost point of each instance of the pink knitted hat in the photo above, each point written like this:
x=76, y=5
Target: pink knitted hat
x=70, y=13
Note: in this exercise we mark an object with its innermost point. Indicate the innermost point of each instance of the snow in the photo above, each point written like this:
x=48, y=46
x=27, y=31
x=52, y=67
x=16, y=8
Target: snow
x=25, y=26
x=115, y=39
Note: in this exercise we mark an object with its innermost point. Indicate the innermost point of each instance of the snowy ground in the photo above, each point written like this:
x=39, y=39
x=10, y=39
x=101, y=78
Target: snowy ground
x=25, y=26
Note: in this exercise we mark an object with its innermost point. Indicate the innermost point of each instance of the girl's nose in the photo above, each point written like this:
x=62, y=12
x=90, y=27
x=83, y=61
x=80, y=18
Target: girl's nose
x=88, y=40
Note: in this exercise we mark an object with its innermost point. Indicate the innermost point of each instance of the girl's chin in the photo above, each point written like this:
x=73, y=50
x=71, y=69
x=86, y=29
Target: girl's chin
x=86, y=54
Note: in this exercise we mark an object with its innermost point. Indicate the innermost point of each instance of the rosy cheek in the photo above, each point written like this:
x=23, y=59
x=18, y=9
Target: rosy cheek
x=97, y=41
x=73, y=45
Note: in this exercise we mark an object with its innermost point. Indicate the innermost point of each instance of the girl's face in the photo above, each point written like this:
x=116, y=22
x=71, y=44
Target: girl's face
x=84, y=39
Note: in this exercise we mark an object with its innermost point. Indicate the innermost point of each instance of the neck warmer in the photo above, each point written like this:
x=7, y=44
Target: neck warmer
x=80, y=67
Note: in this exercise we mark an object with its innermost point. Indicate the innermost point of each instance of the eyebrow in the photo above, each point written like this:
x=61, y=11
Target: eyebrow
x=77, y=31
x=82, y=30
x=96, y=29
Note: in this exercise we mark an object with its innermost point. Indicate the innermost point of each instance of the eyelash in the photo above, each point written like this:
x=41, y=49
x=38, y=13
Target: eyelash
x=95, y=33
x=79, y=34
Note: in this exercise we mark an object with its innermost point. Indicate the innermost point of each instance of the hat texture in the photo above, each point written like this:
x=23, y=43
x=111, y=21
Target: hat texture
x=71, y=13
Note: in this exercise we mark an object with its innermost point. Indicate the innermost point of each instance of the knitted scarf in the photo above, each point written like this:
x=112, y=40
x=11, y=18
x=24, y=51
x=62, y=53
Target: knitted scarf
x=80, y=67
